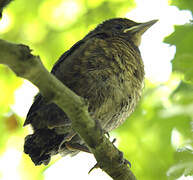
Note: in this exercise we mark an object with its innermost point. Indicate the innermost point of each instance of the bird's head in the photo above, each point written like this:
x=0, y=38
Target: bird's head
x=124, y=28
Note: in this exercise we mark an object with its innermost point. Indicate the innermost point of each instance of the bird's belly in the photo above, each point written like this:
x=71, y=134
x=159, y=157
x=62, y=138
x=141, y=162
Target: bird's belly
x=117, y=107
x=118, y=115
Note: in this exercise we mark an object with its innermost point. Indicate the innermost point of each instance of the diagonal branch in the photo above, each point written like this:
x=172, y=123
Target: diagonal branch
x=25, y=65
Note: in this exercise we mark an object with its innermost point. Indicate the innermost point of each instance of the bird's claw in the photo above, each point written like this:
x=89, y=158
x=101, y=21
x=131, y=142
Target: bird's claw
x=122, y=160
x=108, y=136
x=94, y=167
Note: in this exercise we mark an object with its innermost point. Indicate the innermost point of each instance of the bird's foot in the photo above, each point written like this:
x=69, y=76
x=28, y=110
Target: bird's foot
x=108, y=136
x=94, y=167
x=122, y=160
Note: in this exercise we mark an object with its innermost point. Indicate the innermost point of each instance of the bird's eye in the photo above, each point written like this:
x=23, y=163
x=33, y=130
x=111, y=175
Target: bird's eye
x=118, y=27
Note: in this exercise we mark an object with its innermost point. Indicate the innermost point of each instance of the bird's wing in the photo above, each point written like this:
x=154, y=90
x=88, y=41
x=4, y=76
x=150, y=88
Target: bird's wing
x=65, y=55
x=38, y=100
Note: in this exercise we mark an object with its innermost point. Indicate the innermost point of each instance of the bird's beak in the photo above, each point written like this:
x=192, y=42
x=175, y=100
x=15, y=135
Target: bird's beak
x=141, y=27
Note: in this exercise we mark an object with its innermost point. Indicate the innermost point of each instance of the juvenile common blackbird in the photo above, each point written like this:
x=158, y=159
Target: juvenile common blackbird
x=106, y=68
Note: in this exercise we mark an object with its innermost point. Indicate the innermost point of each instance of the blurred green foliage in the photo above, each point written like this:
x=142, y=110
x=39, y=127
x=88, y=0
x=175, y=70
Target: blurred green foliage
x=182, y=96
x=50, y=27
x=185, y=4
x=182, y=38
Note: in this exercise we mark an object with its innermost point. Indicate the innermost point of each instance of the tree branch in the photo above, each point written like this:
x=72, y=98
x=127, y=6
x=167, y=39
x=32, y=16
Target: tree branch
x=25, y=65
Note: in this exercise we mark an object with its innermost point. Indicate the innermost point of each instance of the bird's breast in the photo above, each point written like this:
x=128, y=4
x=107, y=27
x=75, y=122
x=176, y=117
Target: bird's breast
x=125, y=83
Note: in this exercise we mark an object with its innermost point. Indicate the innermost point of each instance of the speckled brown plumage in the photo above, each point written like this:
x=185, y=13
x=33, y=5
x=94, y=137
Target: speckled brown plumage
x=105, y=68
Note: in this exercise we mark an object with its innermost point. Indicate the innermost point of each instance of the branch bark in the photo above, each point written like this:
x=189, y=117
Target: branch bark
x=19, y=58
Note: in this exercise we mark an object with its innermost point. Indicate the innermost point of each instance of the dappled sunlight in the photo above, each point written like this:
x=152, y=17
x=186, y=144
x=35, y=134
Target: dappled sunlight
x=59, y=14
x=34, y=32
x=8, y=163
x=176, y=138
x=68, y=165
x=24, y=96
x=5, y=24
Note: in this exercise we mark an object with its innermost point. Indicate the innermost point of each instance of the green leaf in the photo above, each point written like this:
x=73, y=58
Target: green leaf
x=183, y=4
x=183, y=165
x=183, y=94
x=182, y=38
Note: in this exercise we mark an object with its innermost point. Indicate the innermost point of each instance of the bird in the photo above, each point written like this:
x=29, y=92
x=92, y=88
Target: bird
x=106, y=69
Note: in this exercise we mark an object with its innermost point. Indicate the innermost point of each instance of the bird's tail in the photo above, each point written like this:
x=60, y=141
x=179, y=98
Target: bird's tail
x=44, y=143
